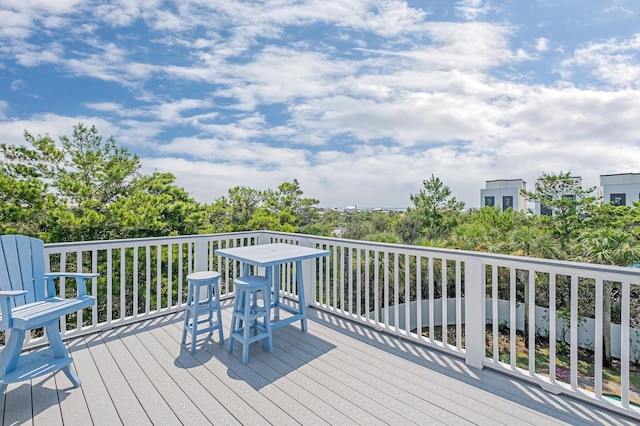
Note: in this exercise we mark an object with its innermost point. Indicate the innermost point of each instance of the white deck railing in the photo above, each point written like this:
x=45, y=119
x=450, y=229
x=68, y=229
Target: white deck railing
x=399, y=289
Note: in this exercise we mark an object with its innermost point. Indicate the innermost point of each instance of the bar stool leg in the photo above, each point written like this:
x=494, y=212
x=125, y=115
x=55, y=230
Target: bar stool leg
x=196, y=316
x=186, y=314
x=268, y=342
x=218, y=312
x=247, y=327
x=234, y=321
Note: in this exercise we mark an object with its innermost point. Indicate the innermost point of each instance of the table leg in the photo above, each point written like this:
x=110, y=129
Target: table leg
x=276, y=292
x=301, y=300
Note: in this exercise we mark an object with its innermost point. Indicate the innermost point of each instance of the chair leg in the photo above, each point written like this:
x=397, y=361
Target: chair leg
x=12, y=349
x=59, y=351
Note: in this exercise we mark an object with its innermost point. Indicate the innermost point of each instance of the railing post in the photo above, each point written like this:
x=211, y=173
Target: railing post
x=474, y=312
x=308, y=276
x=201, y=261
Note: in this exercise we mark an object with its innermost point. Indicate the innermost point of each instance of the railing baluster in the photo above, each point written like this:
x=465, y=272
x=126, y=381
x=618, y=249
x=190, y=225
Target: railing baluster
x=109, y=285
x=513, y=354
x=386, y=289
x=574, y=332
x=419, y=296
x=396, y=292
x=359, y=282
x=495, y=315
x=136, y=311
x=376, y=286
x=123, y=284
x=444, y=302
x=531, y=326
x=407, y=295
x=458, y=307
x=337, y=278
x=624, y=344
x=367, y=279
x=432, y=304
x=597, y=370
x=552, y=327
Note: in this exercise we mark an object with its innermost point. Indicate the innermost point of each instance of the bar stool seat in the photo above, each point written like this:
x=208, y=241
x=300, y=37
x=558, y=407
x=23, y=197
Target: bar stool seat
x=197, y=306
x=251, y=321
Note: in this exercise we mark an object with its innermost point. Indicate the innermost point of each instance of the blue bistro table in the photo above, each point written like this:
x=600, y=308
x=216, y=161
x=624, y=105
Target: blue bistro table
x=270, y=257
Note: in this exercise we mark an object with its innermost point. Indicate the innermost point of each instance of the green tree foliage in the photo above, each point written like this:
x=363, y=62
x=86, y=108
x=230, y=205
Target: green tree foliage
x=246, y=209
x=24, y=199
x=409, y=228
x=437, y=208
x=569, y=204
x=87, y=188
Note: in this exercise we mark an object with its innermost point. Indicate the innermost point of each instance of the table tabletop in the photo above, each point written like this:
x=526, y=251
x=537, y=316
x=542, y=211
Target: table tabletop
x=265, y=255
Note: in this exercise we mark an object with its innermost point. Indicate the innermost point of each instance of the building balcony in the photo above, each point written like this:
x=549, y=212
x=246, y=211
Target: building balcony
x=376, y=351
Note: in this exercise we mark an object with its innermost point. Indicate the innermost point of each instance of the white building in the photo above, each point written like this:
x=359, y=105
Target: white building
x=620, y=189
x=504, y=193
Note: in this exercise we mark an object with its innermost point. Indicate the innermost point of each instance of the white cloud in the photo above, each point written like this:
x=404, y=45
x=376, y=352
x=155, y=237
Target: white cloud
x=17, y=85
x=613, y=62
x=542, y=44
x=235, y=93
x=471, y=9
x=4, y=107
x=55, y=125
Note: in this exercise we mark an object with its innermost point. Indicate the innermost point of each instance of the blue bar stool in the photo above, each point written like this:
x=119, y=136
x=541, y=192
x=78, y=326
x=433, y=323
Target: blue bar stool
x=196, y=307
x=251, y=321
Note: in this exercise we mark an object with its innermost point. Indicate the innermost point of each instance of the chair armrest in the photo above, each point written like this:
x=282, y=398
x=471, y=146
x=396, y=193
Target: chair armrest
x=12, y=293
x=5, y=307
x=80, y=281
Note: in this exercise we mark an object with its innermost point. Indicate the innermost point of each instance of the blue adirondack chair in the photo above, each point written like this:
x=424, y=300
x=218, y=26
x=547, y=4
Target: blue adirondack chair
x=27, y=301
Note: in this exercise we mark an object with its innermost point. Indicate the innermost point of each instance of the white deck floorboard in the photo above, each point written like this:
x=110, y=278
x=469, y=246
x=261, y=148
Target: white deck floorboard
x=338, y=373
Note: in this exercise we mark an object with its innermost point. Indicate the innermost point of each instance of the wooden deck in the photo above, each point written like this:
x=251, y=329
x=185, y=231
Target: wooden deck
x=337, y=373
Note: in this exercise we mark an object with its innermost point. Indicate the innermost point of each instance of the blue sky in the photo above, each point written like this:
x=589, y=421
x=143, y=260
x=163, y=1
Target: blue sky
x=360, y=100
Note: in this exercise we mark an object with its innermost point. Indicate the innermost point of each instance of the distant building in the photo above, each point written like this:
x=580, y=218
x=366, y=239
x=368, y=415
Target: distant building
x=568, y=192
x=504, y=193
x=620, y=189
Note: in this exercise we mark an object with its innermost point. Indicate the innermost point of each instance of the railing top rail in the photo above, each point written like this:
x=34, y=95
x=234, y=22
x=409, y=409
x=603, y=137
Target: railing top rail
x=462, y=254
x=539, y=263
x=144, y=241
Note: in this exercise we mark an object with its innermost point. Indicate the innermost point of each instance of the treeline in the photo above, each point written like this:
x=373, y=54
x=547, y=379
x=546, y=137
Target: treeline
x=580, y=227
x=85, y=187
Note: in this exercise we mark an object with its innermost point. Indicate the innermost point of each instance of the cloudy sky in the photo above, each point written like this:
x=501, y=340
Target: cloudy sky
x=360, y=100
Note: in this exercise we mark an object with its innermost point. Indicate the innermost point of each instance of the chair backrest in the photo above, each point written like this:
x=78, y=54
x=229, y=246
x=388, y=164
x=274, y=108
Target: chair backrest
x=22, y=267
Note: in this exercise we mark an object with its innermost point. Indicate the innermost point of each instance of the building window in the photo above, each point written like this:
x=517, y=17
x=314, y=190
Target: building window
x=619, y=199
x=490, y=201
x=544, y=210
x=507, y=202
